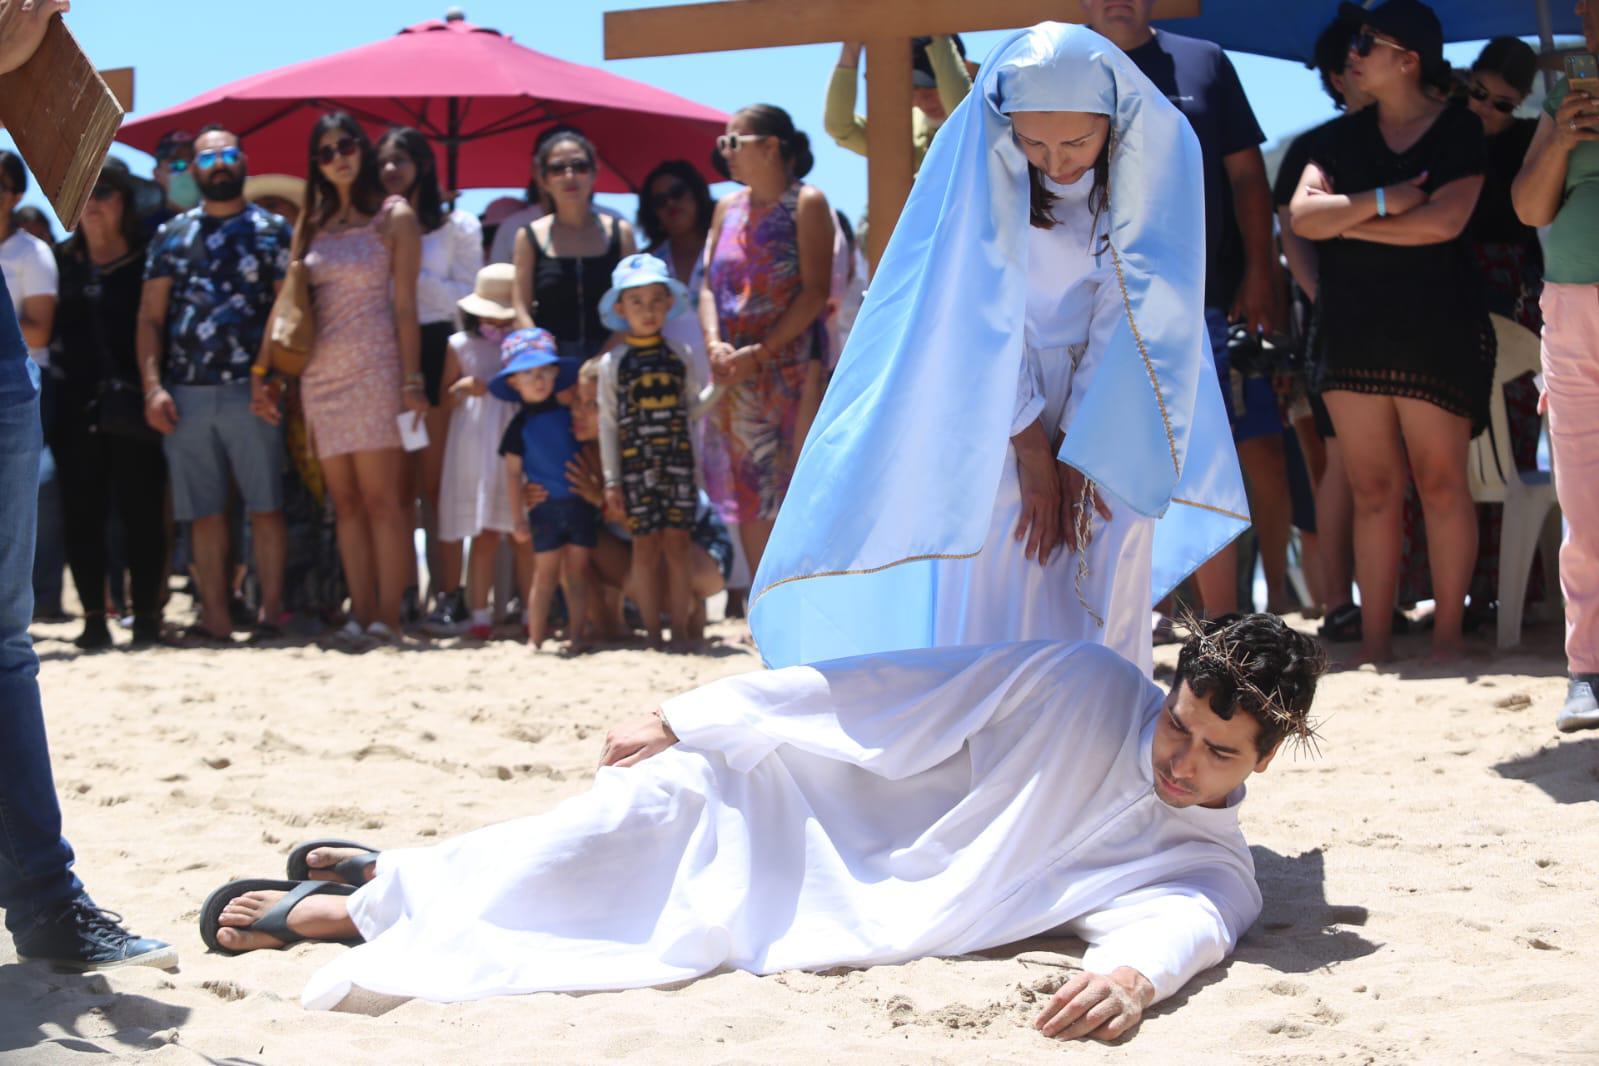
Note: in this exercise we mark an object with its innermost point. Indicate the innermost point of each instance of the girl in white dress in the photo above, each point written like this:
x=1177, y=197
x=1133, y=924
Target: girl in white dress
x=473, y=500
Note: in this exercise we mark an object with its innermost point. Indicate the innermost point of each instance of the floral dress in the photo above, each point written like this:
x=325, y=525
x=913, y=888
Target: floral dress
x=754, y=274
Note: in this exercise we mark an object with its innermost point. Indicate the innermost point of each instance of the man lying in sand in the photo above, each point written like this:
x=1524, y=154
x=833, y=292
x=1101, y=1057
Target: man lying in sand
x=861, y=812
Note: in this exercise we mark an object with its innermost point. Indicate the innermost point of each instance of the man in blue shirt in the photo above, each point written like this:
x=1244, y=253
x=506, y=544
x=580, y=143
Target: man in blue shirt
x=1243, y=283
x=209, y=284
x=48, y=913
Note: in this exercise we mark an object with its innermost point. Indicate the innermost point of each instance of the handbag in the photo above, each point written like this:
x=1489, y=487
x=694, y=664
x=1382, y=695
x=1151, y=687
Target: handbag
x=291, y=327
x=118, y=401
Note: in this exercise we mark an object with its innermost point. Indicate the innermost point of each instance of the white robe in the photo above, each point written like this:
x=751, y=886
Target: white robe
x=1073, y=305
x=867, y=811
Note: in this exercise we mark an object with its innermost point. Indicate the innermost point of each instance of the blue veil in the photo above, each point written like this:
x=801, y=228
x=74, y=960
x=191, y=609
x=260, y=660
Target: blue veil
x=902, y=465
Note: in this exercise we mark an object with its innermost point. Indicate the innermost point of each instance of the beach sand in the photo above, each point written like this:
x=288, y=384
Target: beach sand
x=1429, y=879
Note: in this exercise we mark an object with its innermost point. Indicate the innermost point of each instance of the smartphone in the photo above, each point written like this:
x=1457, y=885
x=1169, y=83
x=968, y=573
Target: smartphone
x=1582, y=71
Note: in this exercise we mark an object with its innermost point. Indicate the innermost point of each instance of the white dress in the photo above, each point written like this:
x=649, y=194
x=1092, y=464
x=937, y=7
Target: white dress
x=867, y=811
x=472, y=494
x=999, y=595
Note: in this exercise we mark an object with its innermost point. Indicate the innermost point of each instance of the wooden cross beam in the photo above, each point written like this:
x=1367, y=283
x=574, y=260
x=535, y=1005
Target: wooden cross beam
x=885, y=25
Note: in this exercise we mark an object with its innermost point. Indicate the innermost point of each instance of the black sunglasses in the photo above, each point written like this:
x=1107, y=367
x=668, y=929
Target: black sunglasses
x=103, y=192
x=327, y=153
x=579, y=167
x=1479, y=92
x=668, y=194
x=1365, y=41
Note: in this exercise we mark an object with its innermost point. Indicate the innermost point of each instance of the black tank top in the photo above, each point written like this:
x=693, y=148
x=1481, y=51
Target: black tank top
x=567, y=289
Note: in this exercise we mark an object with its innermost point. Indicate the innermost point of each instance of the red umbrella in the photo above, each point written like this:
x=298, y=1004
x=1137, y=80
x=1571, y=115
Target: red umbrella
x=472, y=90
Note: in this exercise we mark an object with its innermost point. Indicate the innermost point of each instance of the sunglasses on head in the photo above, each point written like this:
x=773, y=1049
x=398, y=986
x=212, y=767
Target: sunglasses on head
x=578, y=167
x=667, y=195
x=729, y=143
x=327, y=153
x=228, y=157
x=1365, y=41
x=1480, y=93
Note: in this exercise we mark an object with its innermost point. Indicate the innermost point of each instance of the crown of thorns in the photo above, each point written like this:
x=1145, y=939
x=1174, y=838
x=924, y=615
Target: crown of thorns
x=1215, y=649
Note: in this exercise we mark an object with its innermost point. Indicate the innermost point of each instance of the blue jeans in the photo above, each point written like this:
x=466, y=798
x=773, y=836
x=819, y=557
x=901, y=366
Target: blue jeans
x=35, y=861
x=50, y=551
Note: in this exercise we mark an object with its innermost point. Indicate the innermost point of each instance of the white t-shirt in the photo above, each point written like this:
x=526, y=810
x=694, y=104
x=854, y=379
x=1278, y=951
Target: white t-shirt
x=504, y=248
x=451, y=258
x=30, y=269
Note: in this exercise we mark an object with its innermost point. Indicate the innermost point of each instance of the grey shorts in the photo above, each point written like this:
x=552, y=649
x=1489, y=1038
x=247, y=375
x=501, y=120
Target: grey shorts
x=217, y=435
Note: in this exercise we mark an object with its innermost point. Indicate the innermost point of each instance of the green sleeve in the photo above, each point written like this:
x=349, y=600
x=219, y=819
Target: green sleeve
x=954, y=82
x=846, y=128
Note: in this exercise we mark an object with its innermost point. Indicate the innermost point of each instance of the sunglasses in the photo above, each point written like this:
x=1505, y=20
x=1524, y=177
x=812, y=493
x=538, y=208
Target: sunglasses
x=579, y=168
x=177, y=166
x=1480, y=93
x=102, y=192
x=1365, y=41
x=327, y=153
x=668, y=194
x=728, y=143
x=228, y=157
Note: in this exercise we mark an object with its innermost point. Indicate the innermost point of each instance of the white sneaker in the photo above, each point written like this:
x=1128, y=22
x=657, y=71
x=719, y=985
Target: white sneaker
x=1582, y=709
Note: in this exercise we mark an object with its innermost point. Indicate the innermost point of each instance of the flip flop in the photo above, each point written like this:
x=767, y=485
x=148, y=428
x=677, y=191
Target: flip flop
x=275, y=922
x=351, y=871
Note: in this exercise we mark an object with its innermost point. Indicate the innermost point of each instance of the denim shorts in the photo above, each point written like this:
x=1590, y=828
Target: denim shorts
x=218, y=436
x=557, y=523
x=1260, y=416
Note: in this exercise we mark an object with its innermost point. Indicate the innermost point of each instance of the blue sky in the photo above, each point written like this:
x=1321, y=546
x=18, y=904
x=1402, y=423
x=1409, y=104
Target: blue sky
x=196, y=45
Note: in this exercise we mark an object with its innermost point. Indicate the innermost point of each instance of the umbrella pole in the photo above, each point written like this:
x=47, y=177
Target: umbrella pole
x=452, y=147
x=1546, y=39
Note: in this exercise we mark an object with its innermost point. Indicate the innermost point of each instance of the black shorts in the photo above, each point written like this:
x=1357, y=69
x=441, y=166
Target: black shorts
x=557, y=523
x=435, y=345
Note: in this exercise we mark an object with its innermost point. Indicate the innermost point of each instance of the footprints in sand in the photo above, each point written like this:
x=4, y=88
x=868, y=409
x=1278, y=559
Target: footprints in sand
x=958, y=1017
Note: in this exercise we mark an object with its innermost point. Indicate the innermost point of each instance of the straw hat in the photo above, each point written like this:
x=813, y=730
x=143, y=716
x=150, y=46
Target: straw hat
x=283, y=186
x=492, y=294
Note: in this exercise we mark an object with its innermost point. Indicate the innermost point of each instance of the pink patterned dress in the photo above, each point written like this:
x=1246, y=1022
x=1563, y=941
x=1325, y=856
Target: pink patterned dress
x=351, y=389
x=754, y=273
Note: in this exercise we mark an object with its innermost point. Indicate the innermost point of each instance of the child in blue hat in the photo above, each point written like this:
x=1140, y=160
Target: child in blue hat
x=537, y=445
x=648, y=393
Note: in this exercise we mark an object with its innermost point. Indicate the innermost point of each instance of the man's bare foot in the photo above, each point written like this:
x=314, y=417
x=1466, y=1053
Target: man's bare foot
x=320, y=862
x=319, y=917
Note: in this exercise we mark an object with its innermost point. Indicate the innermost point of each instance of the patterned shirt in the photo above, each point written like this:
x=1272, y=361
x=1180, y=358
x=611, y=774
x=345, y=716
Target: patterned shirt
x=225, y=273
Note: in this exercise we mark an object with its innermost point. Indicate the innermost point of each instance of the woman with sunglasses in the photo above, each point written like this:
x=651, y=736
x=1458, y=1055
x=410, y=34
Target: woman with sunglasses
x=363, y=250
x=768, y=274
x=100, y=438
x=452, y=254
x=564, y=259
x=1511, y=260
x=1403, y=346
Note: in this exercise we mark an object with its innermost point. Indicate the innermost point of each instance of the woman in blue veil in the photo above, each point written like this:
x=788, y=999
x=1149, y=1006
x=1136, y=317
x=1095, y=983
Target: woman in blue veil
x=1024, y=438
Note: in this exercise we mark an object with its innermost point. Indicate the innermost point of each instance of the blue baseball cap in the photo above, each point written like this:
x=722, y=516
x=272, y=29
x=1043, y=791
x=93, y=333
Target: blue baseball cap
x=522, y=349
x=635, y=272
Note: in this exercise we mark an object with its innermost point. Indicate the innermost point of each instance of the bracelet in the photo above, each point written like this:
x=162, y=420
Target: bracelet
x=412, y=386
x=414, y=379
x=152, y=390
x=1382, y=202
x=259, y=371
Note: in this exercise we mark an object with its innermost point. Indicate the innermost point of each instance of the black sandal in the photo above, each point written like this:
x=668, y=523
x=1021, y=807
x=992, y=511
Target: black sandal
x=351, y=871
x=275, y=922
x=1342, y=624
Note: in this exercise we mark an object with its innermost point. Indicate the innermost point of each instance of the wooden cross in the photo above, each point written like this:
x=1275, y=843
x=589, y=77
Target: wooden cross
x=885, y=25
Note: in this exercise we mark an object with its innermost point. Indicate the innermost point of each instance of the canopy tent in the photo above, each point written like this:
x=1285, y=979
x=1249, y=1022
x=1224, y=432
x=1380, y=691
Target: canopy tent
x=1287, y=30
x=479, y=96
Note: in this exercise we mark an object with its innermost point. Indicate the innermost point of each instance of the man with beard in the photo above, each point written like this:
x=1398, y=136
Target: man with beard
x=211, y=278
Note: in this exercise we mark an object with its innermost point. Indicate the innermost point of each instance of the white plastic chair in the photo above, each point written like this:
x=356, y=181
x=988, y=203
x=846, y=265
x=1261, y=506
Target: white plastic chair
x=1528, y=496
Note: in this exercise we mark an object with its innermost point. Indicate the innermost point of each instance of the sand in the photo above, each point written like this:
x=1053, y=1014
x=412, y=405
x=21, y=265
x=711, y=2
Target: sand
x=1429, y=880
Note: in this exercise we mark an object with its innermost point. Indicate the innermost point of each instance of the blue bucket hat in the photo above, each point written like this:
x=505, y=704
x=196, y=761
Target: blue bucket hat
x=522, y=349
x=635, y=272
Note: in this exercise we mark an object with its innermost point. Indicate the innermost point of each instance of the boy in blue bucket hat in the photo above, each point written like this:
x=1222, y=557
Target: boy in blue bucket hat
x=649, y=390
x=537, y=445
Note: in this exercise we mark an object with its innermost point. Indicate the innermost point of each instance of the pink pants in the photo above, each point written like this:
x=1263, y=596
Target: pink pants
x=1571, y=383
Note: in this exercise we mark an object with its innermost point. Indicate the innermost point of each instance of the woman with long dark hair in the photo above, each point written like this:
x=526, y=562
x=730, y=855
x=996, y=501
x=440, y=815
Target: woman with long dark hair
x=452, y=254
x=363, y=251
x=1403, y=346
x=564, y=259
x=1023, y=439
x=104, y=451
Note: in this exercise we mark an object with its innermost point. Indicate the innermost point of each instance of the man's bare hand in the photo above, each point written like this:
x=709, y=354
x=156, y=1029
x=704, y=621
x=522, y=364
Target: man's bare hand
x=26, y=29
x=631, y=744
x=1096, y=1005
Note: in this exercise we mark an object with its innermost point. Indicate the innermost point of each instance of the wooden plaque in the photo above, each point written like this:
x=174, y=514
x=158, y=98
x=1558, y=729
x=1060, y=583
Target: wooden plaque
x=62, y=115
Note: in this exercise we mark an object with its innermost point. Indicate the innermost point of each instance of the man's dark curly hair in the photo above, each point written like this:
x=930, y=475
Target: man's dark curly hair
x=1256, y=663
